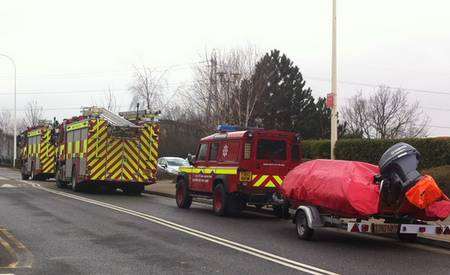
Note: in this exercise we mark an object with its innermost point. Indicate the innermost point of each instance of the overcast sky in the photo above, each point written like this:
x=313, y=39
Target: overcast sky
x=78, y=49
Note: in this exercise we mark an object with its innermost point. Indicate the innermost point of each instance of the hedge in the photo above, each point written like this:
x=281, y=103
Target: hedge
x=435, y=151
x=442, y=176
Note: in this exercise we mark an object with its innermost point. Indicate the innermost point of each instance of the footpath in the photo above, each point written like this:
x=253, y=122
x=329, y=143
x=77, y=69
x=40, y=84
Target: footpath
x=166, y=188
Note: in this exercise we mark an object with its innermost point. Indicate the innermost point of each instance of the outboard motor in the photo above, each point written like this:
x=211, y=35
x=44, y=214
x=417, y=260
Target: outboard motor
x=398, y=167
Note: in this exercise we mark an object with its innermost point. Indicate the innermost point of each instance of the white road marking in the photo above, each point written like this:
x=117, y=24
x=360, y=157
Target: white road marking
x=6, y=185
x=202, y=235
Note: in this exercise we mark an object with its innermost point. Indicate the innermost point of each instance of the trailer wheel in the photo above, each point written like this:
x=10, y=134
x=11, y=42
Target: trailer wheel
x=182, y=196
x=220, y=200
x=304, y=232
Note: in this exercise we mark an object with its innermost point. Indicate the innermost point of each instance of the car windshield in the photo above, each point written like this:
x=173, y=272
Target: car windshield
x=271, y=149
x=177, y=162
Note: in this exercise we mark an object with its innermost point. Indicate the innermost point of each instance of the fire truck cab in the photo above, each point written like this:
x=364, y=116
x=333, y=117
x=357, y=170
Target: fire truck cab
x=239, y=167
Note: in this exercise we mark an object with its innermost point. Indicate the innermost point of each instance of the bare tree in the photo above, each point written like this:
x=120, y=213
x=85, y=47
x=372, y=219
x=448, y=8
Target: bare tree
x=217, y=94
x=148, y=88
x=110, y=101
x=6, y=122
x=387, y=114
x=33, y=114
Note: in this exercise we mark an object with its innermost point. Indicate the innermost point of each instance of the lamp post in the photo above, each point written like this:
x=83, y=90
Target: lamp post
x=14, y=115
x=333, y=85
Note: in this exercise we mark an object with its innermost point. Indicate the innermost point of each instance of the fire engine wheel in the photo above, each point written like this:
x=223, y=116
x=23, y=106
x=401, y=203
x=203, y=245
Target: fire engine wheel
x=304, y=232
x=182, y=196
x=59, y=182
x=134, y=190
x=24, y=176
x=220, y=200
x=32, y=176
x=76, y=185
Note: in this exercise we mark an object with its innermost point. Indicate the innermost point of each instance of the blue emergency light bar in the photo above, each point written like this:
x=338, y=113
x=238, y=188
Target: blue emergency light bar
x=227, y=128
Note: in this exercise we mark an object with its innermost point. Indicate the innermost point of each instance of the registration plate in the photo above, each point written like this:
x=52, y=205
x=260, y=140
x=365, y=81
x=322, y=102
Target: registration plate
x=245, y=176
x=385, y=228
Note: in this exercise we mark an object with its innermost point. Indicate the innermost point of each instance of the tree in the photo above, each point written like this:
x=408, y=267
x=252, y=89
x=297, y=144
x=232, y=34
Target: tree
x=148, y=88
x=284, y=103
x=110, y=101
x=6, y=122
x=387, y=114
x=219, y=94
x=33, y=114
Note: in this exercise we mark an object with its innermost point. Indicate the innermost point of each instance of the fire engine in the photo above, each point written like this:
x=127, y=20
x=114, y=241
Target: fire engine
x=239, y=167
x=37, y=152
x=101, y=148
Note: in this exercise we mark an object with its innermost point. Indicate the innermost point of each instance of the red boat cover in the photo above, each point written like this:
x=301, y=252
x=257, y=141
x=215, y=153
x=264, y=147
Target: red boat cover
x=342, y=187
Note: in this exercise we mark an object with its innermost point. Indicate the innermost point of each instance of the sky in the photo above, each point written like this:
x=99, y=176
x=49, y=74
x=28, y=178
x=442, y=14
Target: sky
x=69, y=53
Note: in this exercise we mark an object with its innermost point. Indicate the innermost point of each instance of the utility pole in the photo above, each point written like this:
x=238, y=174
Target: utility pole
x=333, y=85
x=212, y=88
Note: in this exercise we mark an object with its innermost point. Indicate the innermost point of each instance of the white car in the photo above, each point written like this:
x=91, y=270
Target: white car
x=170, y=165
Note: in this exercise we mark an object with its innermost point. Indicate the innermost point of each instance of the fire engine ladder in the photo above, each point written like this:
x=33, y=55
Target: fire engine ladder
x=109, y=116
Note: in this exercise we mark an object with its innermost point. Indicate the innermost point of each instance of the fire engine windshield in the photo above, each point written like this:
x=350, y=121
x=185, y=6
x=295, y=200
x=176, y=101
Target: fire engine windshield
x=271, y=149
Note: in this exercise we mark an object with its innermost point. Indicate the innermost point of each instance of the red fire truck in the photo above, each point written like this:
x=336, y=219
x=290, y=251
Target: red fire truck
x=239, y=167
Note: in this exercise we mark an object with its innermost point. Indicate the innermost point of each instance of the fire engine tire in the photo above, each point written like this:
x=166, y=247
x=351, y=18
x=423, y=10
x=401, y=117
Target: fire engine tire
x=407, y=238
x=220, y=200
x=25, y=177
x=281, y=211
x=182, y=195
x=76, y=185
x=32, y=176
x=134, y=190
x=59, y=182
x=304, y=232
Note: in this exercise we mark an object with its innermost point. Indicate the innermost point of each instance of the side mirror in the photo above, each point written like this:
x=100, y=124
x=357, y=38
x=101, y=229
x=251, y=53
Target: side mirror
x=191, y=159
x=164, y=165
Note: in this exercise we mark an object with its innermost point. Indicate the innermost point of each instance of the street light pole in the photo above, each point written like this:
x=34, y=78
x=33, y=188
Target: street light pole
x=15, y=111
x=333, y=85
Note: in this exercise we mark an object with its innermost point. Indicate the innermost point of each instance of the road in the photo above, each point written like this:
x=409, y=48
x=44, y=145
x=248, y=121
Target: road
x=54, y=231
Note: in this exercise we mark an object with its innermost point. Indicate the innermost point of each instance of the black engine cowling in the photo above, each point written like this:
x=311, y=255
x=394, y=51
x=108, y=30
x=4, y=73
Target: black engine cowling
x=398, y=167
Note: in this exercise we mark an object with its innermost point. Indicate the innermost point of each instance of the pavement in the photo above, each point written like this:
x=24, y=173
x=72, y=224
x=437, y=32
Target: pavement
x=47, y=230
x=167, y=188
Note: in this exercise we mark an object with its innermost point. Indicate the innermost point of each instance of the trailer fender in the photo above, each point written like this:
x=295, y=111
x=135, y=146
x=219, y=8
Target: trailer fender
x=312, y=215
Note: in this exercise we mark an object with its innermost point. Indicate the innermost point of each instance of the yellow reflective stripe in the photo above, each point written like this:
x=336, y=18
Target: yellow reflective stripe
x=209, y=170
x=278, y=179
x=85, y=146
x=77, y=125
x=34, y=133
x=260, y=180
x=69, y=147
x=270, y=184
x=77, y=147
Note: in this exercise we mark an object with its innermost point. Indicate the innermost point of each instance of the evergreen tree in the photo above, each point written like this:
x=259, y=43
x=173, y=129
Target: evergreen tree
x=285, y=103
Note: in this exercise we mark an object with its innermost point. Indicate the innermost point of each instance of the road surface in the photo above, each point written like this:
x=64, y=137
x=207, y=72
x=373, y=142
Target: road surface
x=45, y=230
